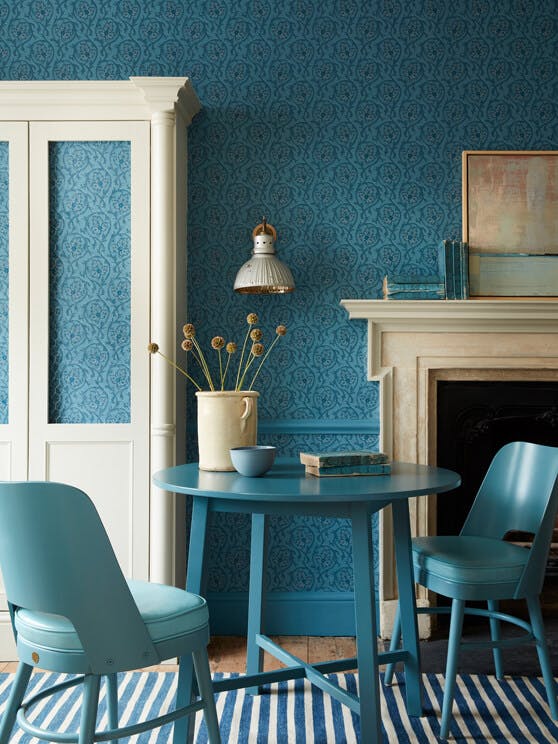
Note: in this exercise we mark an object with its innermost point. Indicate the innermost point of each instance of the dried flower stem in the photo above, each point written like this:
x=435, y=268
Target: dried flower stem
x=249, y=363
x=177, y=367
x=263, y=360
x=238, y=381
x=221, y=369
x=203, y=364
x=224, y=377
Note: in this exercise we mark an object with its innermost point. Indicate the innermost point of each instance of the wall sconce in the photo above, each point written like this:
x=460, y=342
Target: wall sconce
x=264, y=273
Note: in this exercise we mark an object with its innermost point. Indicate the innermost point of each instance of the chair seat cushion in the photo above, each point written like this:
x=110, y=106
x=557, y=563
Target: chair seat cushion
x=168, y=613
x=468, y=560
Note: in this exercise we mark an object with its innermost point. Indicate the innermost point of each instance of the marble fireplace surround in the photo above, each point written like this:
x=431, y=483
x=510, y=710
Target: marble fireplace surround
x=412, y=345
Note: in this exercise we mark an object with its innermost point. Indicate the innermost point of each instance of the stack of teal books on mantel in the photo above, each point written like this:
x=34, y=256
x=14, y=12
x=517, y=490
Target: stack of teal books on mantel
x=358, y=462
x=453, y=265
x=451, y=282
x=413, y=287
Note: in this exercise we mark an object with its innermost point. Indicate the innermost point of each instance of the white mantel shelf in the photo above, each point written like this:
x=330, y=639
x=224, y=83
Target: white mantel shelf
x=487, y=315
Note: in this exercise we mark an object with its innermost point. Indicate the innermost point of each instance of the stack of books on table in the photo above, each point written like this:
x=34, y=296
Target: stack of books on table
x=359, y=462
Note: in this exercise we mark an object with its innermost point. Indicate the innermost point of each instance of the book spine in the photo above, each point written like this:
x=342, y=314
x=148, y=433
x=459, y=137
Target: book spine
x=456, y=254
x=442, y=261
x=385, y=287
x=450, y=284
x=419, y=295
x=350, y=469
x=414, y=279
x=464, y=271
x=343, y=459
x=392, y=286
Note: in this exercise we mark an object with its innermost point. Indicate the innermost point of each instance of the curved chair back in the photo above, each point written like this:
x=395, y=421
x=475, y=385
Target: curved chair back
x=56, y=557
x=519, y=492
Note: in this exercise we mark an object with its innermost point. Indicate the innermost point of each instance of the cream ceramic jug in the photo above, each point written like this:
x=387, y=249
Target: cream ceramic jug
x=226, y=418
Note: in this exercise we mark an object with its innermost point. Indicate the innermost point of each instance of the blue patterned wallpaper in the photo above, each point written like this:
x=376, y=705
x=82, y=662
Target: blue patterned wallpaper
x=343, y=122
x=4, y=279
x=89, y=305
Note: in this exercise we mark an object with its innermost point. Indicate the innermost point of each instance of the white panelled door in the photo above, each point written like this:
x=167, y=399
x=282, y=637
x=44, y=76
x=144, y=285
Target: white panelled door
x=79, y=442
x=15, y=323
x=110, y=461
x=15, y=298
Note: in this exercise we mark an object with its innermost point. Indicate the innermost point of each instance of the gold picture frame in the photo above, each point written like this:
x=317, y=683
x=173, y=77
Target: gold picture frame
x=510, y=222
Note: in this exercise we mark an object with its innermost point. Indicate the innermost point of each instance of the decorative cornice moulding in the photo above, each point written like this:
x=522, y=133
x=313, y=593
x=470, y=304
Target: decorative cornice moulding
x=134, y=99
x=161, y=94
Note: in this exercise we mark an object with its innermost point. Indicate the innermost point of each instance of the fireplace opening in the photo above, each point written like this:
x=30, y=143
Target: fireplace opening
x=475, y=419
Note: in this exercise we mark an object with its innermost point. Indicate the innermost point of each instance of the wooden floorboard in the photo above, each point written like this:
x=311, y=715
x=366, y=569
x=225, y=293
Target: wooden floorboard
x=228, y=653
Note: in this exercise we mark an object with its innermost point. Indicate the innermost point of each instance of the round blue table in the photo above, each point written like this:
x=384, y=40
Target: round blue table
x=287, y=490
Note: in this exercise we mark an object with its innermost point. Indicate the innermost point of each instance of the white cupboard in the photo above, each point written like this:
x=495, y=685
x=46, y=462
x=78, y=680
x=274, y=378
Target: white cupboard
x=93, y=252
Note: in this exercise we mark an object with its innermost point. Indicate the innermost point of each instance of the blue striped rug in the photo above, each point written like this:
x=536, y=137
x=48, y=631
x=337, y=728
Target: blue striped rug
x=514, y=710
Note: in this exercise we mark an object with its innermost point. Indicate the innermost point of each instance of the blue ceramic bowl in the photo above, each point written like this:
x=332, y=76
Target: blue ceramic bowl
x=253, y=461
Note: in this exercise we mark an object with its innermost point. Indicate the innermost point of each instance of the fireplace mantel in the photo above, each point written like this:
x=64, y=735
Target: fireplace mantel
x=413, y=344
x=455, y=315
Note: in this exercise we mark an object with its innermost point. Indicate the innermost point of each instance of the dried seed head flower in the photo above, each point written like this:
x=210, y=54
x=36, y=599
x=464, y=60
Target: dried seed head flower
x=154, y=349
x=257, y=350
x=252, y=355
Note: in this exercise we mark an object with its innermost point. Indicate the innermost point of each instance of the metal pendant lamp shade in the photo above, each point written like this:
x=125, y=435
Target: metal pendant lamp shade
x=264, y=273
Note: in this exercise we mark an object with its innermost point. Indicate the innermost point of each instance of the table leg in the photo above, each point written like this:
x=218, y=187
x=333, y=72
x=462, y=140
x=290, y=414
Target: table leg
x=407, y=606
x=184, y=727
x=198, y=530
x=256, y=596
x=366, y=634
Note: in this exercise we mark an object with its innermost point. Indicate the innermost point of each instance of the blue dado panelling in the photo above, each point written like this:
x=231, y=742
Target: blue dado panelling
x=343, y=123
x=89, y=302
x=4, y=279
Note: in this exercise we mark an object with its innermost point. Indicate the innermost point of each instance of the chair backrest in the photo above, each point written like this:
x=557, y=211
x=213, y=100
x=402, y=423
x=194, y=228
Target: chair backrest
x=56, y=557
x=519, y=492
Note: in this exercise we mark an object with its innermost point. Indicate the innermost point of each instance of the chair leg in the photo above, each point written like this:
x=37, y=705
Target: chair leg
x=112, y=702
x=91, y=684
x=17, y=693
x=203, y=675
x=496, y=636
x=456, y=626
x=394, y=645
x=537, y=625
x=183, y=732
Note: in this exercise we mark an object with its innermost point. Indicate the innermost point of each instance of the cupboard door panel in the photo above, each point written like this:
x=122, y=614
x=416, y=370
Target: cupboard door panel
x=13, y=300
x=13, y=320
x=81, y=462
x=89, y=320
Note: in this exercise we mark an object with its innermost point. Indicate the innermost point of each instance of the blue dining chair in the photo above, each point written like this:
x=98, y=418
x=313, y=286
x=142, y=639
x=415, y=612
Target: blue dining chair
x=73, y=611
x=519, y=492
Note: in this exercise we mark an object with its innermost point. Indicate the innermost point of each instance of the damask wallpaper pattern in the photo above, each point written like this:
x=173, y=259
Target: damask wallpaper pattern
x=89, y=294
x=341, y=121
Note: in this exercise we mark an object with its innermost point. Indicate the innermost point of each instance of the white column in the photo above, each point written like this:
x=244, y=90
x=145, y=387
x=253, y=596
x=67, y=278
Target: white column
x=163, y=332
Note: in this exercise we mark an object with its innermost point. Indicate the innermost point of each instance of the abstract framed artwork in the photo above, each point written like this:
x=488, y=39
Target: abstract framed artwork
x=510, y=222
